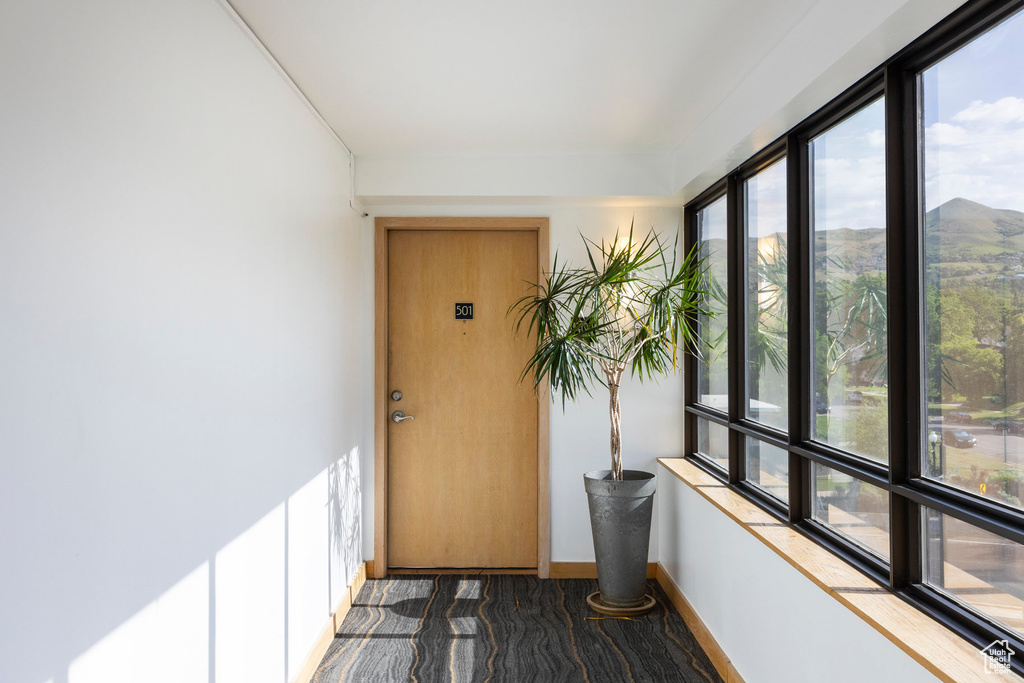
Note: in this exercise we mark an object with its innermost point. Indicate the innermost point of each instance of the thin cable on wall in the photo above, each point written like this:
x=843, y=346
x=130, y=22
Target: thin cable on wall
x=269, y=56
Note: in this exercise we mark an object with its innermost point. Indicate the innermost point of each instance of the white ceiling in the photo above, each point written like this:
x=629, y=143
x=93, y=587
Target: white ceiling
x=647, y=97
x=458, y=76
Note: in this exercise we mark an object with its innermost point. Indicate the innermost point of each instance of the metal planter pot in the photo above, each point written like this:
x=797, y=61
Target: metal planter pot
x=620, y=519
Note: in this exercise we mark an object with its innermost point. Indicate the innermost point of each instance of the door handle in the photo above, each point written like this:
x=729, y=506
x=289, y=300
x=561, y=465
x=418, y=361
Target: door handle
x=398, y=416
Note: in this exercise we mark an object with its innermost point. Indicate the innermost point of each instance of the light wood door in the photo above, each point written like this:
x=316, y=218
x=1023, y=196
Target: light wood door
x=462, y=475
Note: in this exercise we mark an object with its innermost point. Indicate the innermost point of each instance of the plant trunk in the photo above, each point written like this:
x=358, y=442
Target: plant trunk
x=616, y=419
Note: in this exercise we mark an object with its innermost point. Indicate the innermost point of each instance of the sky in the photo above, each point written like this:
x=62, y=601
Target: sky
x=766, y=201
x=974, y=121
x=849, y=171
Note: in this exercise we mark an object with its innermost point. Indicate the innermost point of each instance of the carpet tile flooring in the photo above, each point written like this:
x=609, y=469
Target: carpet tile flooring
x=505, y=629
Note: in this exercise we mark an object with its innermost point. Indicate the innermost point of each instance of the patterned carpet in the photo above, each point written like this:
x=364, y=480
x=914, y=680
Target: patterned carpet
x=505, y=629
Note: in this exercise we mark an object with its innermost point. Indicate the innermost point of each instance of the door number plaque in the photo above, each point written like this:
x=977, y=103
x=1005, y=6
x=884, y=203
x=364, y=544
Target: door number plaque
x=463, y=311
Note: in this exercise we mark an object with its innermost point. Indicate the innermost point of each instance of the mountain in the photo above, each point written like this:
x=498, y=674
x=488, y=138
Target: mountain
x=962, y=230
x=955, y=232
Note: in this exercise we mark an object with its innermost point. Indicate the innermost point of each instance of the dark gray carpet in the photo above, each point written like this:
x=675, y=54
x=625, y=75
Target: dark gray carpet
x=505, y=629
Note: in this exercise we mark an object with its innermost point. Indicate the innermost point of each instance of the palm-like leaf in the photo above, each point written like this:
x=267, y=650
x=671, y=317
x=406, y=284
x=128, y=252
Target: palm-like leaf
x=633, y=307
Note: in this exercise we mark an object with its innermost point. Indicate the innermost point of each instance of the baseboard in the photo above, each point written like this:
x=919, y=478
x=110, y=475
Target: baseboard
x=462, y=571
x=587, y=570
x=323, y=641
x=707, y=641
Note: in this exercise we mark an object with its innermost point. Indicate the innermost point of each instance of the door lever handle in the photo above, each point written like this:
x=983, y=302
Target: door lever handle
x=398, y=416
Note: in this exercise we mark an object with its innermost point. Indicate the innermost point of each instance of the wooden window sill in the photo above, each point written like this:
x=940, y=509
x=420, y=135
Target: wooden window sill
x=935, y=647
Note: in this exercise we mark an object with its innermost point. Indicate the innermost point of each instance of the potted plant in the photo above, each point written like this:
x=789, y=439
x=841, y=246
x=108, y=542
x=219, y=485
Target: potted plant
x=631, y=308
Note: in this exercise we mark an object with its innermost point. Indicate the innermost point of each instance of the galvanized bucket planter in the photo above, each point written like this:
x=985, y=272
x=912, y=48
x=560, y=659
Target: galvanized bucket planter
x=620, y=519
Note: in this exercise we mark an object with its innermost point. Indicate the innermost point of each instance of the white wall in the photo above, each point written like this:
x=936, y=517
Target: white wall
x=771, y=621
x=651, y=414
x=381, y=178
x=180, y=327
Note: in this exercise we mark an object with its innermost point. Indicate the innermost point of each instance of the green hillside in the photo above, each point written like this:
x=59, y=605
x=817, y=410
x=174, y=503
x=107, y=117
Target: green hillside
x=962, y=230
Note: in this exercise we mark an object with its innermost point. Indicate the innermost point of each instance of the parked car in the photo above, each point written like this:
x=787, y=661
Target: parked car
x=1002, y=425
x=959, y=438
x=854, y=397
x=958, y=417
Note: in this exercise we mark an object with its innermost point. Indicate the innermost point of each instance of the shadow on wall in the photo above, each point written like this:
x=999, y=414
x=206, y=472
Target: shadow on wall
x=346, y=525
x=253, y=610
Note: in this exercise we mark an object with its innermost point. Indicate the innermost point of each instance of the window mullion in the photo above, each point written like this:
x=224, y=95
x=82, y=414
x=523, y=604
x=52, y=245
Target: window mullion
x=736, y=263
x=798, y=225
x=690, y=353
x=905, y=343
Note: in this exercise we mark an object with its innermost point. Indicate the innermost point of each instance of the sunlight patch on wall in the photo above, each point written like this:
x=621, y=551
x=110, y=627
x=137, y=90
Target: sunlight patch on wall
x=250, y=603
x=167, y=641
x=308, y=599
x=275, y=586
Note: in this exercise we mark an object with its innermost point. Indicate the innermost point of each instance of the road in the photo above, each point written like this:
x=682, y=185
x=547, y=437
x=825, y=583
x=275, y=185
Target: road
x=991, y=444
x=1001, y=448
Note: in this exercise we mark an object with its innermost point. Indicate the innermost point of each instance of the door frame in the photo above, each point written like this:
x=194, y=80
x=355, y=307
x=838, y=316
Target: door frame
x=382, y=227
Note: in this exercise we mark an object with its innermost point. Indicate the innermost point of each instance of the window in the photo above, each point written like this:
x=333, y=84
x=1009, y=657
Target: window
x=767, y=294
x=973, y=144
x=864, y=379
x=853, y=508
x=848, y=288
x=712, y=366
x=768, y=468
x=713, y=442
x=982, y=570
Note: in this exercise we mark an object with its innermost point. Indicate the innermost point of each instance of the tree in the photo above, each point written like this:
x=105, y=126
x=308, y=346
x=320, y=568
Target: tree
x=1014, y=356
x=939, y=326
x=978, y=370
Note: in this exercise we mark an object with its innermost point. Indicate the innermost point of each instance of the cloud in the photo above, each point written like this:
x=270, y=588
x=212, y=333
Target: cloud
x=849, y=172
x=947, y=135
x=849, y=188
x=1001, y=112
x=977, y=155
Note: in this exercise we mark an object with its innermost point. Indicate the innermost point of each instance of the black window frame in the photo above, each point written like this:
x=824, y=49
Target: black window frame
x=739, y=326
x=691, y=361
x=897, y=80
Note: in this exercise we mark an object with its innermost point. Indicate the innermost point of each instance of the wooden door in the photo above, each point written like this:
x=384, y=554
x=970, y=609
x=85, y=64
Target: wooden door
x=462, y=475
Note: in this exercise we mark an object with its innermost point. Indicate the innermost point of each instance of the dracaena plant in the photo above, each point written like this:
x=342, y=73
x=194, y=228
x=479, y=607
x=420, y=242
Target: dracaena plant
x=632, y=307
